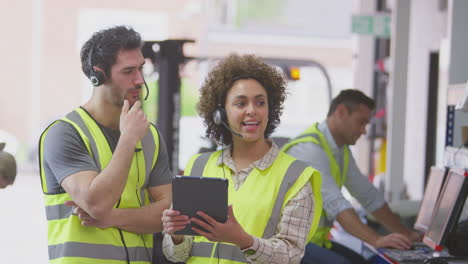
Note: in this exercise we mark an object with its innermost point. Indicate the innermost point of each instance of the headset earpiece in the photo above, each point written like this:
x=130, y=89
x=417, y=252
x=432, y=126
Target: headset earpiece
x=220, y=119
x=218, y=116
x=96, y=77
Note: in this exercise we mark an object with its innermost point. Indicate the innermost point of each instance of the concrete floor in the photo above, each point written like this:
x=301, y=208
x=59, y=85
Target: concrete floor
x=23, y=230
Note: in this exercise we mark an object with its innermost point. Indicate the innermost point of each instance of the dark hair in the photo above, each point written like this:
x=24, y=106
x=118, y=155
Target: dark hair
x=221, y=78
x=351, y=98
x=104, y=47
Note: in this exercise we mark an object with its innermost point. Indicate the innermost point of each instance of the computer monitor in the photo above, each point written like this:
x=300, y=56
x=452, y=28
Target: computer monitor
x=448, y=209
x=433, y=187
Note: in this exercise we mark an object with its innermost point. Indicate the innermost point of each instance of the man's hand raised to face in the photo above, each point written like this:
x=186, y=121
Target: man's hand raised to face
x=133, y=122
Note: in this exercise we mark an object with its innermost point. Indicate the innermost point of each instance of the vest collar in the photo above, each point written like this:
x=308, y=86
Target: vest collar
x=323, y=127
x=261, y=164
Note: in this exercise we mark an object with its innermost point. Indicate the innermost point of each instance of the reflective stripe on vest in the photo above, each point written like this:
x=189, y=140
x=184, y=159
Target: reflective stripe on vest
x=203, y=250
x=76, y=118
x=69, y=241
x=200, y=163
x=314, y=135
x=58, y=211
x=218, y=250
x=96, y=251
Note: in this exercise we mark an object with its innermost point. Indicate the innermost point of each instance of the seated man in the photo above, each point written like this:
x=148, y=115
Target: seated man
x=325, y=146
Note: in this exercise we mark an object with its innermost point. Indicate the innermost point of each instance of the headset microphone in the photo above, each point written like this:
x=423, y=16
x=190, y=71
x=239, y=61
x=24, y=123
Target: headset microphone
x=218, y=120
x=230, y=129
x=147, y=90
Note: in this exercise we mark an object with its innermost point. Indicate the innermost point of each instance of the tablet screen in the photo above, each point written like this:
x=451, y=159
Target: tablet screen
x=191, y=194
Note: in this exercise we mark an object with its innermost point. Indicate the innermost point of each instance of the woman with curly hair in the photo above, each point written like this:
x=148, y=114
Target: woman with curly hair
x=274, y=199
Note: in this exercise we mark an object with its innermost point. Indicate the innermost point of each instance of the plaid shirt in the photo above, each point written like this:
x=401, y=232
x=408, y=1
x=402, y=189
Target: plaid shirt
x=288, y=243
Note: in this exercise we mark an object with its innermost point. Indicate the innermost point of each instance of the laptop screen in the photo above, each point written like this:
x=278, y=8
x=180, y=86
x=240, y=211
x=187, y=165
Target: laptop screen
x=435, y=183
x=447, y=209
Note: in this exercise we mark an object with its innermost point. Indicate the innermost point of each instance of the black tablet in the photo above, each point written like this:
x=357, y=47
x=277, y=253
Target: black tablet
x=191, y=194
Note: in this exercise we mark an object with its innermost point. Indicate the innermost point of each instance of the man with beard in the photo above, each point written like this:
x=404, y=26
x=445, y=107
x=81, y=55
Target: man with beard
x=325, y=146
x=104, y=168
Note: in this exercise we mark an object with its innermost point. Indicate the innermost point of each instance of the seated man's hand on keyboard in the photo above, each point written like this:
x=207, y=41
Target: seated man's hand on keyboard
x=394, y=240
x=415, y=236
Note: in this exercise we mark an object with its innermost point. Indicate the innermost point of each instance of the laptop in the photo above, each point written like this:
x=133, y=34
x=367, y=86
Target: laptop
x=447, y=210
x=434, y=185
x=420, y=250
x=444, y=219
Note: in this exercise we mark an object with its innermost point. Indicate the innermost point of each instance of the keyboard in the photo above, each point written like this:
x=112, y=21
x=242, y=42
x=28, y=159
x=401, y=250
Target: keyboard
x=407, y=255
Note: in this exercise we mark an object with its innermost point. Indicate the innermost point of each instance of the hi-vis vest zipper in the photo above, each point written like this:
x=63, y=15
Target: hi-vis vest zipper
x=257, y=204
x=68, y=240
x=313, y=134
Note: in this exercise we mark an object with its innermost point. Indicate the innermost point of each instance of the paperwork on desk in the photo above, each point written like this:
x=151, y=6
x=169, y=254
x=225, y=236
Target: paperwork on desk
x=462, y=103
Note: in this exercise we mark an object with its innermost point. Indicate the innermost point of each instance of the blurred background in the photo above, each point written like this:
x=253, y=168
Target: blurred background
x=392, y=50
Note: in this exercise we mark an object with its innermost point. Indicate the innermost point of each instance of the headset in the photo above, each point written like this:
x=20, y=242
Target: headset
x=219, y=115
x=96, y=77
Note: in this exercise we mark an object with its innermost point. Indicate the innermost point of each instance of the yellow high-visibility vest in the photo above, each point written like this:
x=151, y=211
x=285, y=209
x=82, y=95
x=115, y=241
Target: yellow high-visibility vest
x=314, y=135
x=257, y=204
x=69, y=242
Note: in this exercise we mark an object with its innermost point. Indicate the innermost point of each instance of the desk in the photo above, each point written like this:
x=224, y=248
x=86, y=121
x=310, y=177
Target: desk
x=380, y=258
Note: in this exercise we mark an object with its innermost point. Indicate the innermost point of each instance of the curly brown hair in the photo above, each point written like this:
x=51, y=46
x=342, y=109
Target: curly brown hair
x=221, y=78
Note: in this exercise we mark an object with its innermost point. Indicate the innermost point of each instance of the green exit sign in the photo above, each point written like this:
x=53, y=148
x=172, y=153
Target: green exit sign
x=374, y=25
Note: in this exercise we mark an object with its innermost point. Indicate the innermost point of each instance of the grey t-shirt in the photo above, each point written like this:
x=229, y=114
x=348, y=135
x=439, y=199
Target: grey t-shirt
x=65, y=154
